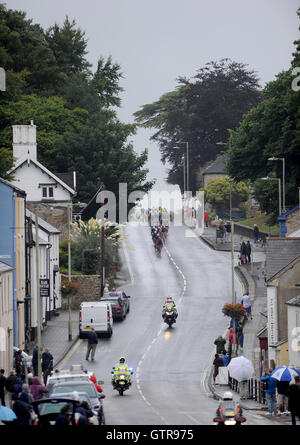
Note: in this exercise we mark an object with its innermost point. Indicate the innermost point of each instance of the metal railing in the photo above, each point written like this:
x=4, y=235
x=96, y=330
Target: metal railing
x=255, y=389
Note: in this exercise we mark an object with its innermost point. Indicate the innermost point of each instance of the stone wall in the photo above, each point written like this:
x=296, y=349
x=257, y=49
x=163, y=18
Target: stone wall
x=55, y=214
x=89, y=290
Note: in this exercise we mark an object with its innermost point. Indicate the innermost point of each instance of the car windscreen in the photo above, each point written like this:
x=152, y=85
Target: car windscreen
x=112, y=300
x=89, y=389
x=68, y=379
x=54, y=408
x=111, y=294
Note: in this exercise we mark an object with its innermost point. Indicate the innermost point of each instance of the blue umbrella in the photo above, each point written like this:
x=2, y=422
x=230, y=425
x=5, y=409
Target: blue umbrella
x=285, y=373
x=7, y=414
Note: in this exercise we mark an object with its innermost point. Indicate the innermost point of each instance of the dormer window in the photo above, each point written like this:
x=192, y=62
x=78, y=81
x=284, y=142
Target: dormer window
x=47, y=191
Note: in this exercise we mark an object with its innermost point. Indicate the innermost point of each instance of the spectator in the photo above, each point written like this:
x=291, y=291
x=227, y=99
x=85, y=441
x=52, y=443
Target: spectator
x=240, y=335
x=243, y=388
x=35, y=360
x=248, y=251
x=97, y=386
x=22, y=410
x=2, y=386
x=293, y=393
x=206, y=219
x=63, y=417
x=255, y=233
x=9, y=386
x=37, y=389
x=92, y=344
x=225, y=358
x=17, y=388
x=18, y=362
x=246, y=302
x=30, y=378
x=270, y=390
x=228, y=228
x=47, y=364
x=282, y=398
x=26, y=390
x=220, y=344
x=217, y=363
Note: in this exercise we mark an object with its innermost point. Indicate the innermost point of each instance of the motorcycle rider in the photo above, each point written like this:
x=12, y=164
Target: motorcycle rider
x=169, y=303
x=158, y=242
x=228, y=404
x=120, y=368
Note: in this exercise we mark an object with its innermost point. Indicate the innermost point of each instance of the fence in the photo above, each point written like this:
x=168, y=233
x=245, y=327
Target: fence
x=255, y=389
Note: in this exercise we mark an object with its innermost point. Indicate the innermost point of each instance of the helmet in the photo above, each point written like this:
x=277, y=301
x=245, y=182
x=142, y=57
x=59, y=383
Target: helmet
x=122, y=360
x=169, y=298
x=227, y=395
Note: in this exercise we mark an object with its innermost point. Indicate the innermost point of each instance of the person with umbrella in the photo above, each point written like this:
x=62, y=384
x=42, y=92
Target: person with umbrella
x=270, y=390
x=288, y=374
x=241, y=369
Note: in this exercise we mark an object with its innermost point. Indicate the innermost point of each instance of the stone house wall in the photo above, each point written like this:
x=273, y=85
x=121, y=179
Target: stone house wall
x=55, y=214
x=293, y=222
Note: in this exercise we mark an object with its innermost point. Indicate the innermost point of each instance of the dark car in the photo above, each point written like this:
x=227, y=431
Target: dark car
x=82, y=386
x=118, y=306
x=48, y=409
x=125, y=298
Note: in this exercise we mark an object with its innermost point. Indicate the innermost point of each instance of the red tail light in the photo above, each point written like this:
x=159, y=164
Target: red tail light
x=79, y=316
x=117, y=307
x=108, y=316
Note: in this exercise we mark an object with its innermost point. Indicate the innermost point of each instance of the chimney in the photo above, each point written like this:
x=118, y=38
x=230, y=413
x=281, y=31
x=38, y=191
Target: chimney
x=24, y=142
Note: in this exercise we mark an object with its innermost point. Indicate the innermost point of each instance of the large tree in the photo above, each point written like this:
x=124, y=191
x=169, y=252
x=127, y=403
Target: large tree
x=199, y=112
x=73, y=108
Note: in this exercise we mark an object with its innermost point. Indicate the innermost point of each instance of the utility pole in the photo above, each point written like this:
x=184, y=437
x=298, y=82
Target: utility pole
x=38, y=297
x=102, y=271
x=232, y=284
x=69, y=269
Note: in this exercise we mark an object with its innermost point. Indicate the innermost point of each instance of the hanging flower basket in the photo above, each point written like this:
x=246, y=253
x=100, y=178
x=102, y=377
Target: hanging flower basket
x=69, y=287
x=233, y=310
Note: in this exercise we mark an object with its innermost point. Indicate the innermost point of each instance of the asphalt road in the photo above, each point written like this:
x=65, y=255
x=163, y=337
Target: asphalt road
x=170, y=364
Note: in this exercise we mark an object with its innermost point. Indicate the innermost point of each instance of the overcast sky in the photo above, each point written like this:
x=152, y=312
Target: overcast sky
x=157, y=41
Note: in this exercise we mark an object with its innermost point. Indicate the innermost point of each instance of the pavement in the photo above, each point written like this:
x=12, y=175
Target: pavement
x=253, y=276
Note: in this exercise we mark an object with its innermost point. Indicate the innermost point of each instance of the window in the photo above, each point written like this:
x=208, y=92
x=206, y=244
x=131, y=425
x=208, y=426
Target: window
x=47, y=192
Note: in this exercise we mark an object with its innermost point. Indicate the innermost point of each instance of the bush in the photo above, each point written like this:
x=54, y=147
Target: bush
x=91, y=262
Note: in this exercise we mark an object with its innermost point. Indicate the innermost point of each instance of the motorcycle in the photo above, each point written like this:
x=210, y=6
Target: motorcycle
x=229, y=417
x=121, y=380
x=169, y=317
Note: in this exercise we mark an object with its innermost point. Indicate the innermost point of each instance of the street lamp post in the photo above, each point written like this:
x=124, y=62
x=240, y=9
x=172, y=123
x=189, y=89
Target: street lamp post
x=187, y=164
x=283, y=180
x=267, y=178
x=69, y=269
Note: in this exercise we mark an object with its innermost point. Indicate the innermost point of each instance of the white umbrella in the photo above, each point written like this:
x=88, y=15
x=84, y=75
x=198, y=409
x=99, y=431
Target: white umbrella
x=240, y=368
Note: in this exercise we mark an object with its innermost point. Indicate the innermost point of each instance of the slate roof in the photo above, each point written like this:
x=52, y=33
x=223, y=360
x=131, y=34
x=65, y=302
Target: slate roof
x=5, y=267
x=42, y=223
x=279, y=253
x=294, y=301
x=218, y=167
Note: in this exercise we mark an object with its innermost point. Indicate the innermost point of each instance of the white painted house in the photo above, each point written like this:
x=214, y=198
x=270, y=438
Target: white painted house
x=39, y=183
x=48, y=237
x=6, y=316
x=294, y=331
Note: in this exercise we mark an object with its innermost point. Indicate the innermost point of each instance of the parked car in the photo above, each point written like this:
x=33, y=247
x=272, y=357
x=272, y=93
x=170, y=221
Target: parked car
x=84, y=397
x=118, y=306
x=75, y=372
x=97, y=315
x=48, y=409
x=125, y=298
x=82, y=386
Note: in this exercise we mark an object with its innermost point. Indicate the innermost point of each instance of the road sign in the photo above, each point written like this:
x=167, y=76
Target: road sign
x=44, y=287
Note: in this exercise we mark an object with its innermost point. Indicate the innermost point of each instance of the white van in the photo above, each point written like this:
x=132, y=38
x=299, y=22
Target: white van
x=97, y=315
